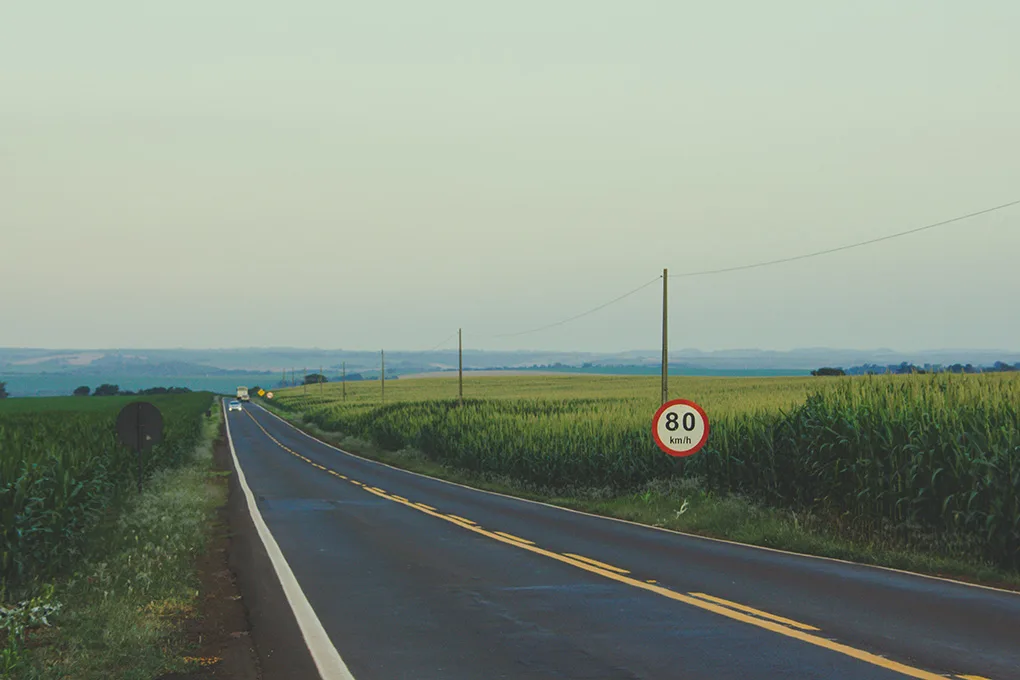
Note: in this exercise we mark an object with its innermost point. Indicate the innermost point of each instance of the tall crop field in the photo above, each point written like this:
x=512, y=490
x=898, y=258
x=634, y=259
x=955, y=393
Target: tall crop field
x=922, y=454
x=61, y=466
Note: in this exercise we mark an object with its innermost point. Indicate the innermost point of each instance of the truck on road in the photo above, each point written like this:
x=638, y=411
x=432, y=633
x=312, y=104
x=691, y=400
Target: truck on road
x=242, y=394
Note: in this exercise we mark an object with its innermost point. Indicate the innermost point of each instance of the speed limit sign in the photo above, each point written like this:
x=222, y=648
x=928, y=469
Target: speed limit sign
x=269, y=395
x=680, y=427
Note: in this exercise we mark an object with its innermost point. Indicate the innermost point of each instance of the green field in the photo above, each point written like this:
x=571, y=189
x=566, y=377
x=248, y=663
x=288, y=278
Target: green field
x=736, y=395
x=932, y=458
x=75, y=404
x=62, y=468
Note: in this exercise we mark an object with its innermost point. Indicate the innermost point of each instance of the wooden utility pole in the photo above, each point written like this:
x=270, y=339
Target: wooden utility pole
x=679, y=463
x=345, y=380
x=321, y=377
x=382, y=372
x=460, y=365
x=665, y=341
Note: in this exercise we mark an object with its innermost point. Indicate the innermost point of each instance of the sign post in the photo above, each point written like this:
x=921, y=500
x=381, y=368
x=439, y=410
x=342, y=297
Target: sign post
x=680, y=428
x=140, y=427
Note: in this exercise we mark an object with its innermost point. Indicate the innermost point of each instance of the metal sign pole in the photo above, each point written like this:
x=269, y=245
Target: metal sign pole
x=139, y=427
x=138, y=446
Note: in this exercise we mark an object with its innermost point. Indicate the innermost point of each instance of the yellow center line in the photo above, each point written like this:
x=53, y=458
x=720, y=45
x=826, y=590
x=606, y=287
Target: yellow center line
x=972, y=677
x=596, y=563
x=398, y=497
x=727, y=612
x=514, y=538
x=422, y=505
x=752, y=610
x=461, y=519
x=321, y=467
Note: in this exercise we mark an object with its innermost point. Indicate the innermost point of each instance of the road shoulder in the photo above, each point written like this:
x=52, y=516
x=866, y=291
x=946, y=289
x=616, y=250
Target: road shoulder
x=275, y=634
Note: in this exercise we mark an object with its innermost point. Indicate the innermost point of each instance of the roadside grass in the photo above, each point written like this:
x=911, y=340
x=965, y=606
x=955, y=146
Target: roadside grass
x=685, y=505
x=120, y=613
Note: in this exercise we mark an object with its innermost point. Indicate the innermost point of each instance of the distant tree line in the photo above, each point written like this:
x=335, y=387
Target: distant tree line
x=316, y=378
x=108, y=390
x=3, y=390
x=907, y=367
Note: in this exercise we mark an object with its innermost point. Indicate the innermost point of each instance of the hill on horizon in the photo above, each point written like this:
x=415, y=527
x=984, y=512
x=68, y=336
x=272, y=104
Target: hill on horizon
x=179, y=362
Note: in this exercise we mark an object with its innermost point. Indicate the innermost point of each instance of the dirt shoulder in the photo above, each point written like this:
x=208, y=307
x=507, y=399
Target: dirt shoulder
x=220, y=629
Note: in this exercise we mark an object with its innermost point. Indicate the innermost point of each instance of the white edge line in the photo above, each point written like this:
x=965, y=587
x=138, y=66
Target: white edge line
x=324, y=654
x=647, y=526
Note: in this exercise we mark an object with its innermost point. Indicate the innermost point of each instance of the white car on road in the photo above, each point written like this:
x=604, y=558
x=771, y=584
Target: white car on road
x=234, y=405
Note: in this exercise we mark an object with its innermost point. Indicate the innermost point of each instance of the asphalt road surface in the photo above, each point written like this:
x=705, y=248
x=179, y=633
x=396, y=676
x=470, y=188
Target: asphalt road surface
x=390, y=575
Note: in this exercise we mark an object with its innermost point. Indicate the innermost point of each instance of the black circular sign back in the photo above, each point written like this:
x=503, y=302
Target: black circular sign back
x=140, y=426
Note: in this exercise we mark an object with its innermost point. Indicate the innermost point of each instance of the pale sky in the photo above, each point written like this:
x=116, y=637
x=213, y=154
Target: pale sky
x=222, y=173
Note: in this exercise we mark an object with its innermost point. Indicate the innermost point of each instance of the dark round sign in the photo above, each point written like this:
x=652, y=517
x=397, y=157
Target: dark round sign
x=140, y=426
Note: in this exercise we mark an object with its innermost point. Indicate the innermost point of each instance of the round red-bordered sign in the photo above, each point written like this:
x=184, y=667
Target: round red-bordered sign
x=683, y=434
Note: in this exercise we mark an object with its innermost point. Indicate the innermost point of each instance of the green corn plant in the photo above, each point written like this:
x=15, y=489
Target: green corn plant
x=61, y=468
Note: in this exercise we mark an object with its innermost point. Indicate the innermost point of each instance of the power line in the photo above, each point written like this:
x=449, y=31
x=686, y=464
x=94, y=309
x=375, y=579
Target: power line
x=448, y=338
x=578, y=316
x=761, y=264
x=846, y=247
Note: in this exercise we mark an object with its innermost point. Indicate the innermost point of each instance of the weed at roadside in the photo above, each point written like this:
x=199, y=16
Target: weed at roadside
x=122, y=607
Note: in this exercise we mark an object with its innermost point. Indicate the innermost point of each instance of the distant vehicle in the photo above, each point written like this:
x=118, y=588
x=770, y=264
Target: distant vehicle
x=234, y=405
x=242, y=393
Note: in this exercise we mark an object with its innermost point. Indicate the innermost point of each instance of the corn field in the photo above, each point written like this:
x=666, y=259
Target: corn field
x=61, y=467
x=933, y=454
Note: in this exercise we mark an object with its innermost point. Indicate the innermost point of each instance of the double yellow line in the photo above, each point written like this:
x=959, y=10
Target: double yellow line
x=717, y=605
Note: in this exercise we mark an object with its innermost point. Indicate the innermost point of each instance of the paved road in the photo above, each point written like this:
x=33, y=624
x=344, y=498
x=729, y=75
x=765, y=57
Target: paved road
x=414, y=578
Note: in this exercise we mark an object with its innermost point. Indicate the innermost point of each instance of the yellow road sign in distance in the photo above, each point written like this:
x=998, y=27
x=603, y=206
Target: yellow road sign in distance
x=262, y=393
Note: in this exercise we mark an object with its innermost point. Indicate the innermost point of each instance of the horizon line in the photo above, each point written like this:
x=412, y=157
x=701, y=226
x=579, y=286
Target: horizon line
x=655, y=352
